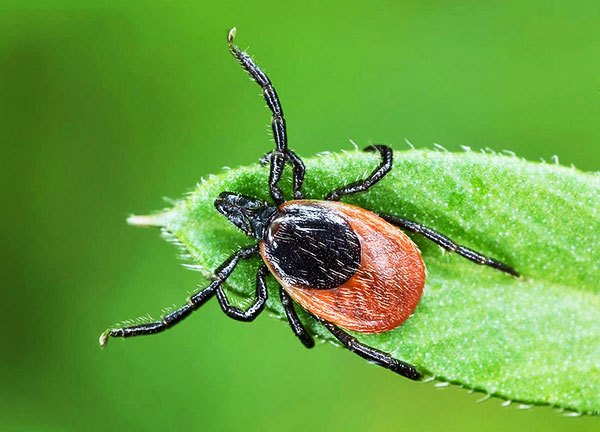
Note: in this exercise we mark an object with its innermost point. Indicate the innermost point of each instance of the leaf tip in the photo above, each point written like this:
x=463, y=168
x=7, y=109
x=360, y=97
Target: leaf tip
x=145, y=220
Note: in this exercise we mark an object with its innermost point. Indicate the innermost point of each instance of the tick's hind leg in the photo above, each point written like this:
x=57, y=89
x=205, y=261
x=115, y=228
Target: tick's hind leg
x=193, y=303
x=362, y=185
x=373, y=355
x=448, y=244
x=295, y=323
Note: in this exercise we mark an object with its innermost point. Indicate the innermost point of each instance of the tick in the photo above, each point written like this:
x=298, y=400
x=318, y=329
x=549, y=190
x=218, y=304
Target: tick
x=350, y=268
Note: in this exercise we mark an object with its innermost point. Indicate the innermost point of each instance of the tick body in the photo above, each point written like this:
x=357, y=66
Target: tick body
x=349, y=267
x=344, y=264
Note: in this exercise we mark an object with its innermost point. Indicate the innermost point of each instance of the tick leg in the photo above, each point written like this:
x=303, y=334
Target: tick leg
x=378, y=357
x=281, y=153
x=193, y=303
x=448, y=244
x=362, y=185
x=299, y=171
x=295, y=323
x=256, y=308
x=277, y=165
x=298, y=167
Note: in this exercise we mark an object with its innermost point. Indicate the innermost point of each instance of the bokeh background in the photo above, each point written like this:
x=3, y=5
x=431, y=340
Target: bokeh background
x=107, y=107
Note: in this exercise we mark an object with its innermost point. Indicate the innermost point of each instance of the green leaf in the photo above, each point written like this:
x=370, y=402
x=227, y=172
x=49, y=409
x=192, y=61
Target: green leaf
x=535, y=340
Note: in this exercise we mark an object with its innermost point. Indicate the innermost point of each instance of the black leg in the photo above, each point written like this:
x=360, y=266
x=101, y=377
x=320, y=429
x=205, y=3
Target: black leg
x=373, y=355
x=256, y=308
x=362, y=185
x=299, y=171
x=193, y=303
x=295, y=323
x=448, y=244
x=277, y=165
x=281, y=153
x=298, y=167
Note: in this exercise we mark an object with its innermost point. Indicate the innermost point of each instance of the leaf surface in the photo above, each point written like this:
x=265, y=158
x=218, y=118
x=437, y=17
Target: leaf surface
x=535, y=340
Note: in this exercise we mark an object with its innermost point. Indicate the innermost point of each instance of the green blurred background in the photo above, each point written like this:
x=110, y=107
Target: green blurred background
x=106, y=108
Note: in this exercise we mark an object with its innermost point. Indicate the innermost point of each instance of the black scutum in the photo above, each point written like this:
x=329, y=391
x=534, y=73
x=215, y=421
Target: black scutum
x=310, y=246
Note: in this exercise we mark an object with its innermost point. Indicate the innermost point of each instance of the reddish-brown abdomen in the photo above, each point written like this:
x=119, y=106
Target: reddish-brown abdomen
x=385, y=289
